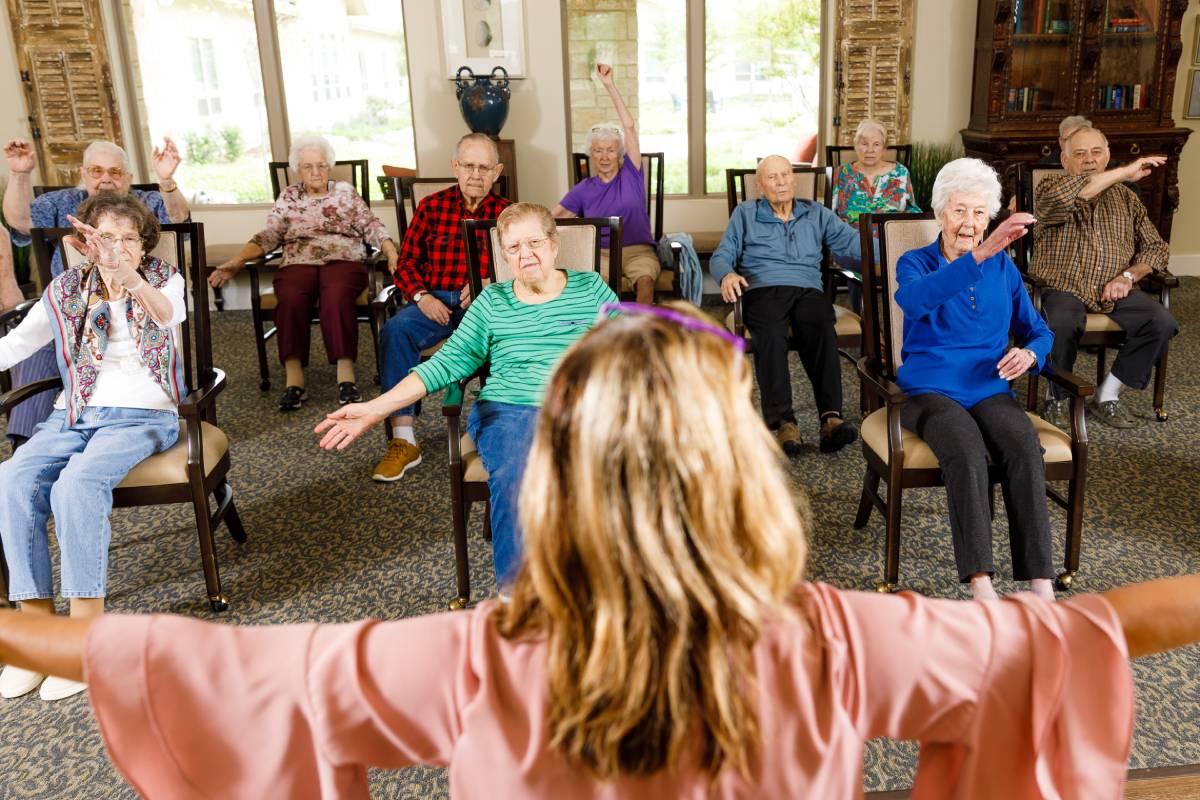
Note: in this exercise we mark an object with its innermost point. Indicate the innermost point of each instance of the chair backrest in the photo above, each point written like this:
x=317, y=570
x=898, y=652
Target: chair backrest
x=836, y=155
x=653, y=173
x=1029, y=176
x=407, y=191
x=353, y=171
x=579, y=241
x=808, y=183
x=883, y=321
x=180, y=244
x=38, y=191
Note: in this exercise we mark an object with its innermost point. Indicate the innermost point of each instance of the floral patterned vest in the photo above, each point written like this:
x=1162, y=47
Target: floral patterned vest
x=79, y=317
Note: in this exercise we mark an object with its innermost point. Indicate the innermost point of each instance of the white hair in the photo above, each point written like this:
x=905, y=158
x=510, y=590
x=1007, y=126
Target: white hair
x=602, y=133
x=310, y=143
x=480, y=138
x=96, y=148
x=1071, y=124
x=870, y=125
x=1066, y=144
x=966, y=175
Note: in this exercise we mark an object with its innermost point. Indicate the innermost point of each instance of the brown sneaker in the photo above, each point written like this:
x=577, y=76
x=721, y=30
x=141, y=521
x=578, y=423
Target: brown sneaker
x=1112, y=414
x=401, y=456
x=788, y=436
x=836, y=433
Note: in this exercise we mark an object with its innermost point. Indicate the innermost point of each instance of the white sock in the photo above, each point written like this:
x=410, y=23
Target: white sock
x=1043, y=588
x=404, y=432
x=1110, y=388
x=981, y=588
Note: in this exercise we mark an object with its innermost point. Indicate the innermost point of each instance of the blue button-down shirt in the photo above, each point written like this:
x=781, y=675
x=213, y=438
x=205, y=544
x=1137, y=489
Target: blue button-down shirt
x=768, y=251
x=957, y=320
x=51, y=209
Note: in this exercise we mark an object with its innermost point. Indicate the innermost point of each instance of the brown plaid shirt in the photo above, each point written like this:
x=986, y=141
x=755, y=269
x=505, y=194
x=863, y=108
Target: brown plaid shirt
x=1080, y=245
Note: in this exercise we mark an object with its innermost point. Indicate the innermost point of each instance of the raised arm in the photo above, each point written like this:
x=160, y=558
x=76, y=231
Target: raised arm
x=633, y=149
x=1158, y=615
x=19, y=193
x=166, y=160
x=10, y=292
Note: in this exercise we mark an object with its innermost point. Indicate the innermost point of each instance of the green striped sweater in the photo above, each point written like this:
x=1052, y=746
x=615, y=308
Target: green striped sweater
x=523, y=342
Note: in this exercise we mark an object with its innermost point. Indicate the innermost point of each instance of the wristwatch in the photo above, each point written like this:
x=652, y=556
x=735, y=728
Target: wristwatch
x=1032, y=355
x=417, y=295
x=167, y=186
x=1127, y=275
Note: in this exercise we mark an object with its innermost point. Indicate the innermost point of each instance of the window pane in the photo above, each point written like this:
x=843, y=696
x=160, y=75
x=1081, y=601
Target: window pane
x=763, y=81
x=350, y=55
x=662, y=86
x=206, y=93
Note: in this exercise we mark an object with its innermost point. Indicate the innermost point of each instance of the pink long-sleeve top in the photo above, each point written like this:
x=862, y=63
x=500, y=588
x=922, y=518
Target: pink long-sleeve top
x=1017, y=699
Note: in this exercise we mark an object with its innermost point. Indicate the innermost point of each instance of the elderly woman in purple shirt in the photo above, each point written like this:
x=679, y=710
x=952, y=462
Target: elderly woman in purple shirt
x=618, y=189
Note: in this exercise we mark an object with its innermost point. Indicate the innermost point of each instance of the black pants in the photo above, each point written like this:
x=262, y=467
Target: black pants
x=1148, y=328
x=769, y=311
x=962, y=439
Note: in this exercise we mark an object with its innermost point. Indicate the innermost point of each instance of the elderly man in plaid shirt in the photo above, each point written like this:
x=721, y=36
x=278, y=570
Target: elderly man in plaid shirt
x=432, y=274
x=1092, y=244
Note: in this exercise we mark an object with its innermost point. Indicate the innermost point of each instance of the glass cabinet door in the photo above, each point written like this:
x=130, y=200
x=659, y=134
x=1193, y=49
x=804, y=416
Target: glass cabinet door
x=1128, y=47
x=1040, y=76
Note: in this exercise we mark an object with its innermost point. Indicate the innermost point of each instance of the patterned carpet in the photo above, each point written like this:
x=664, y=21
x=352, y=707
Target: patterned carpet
x=326, y=543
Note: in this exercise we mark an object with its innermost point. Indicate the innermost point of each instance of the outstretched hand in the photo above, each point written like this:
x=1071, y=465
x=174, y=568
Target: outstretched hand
x=20, y=155
x=604, y=73
x=343, y=426
x=1136, y=170
x=1007, y=232
x=166, y=159
x=92, y=245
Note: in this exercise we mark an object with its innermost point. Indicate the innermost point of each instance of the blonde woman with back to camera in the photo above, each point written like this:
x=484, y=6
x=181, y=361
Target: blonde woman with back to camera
x=661, y=641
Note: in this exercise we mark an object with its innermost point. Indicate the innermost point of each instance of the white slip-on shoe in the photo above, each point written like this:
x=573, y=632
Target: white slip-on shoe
x=16, y=682
x=56, y=688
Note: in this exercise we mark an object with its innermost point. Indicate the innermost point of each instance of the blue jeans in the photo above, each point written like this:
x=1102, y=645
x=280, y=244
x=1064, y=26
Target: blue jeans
x=71, y=470
x=502, y=433
x=406, y=335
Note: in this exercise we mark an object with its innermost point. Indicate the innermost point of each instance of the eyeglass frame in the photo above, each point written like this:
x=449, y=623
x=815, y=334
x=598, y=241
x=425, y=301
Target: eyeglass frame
x=475, y=169
x=96, y=171
x=683, y=320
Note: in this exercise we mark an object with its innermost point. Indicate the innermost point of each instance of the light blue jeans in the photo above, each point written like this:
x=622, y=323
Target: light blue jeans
x=70, y=471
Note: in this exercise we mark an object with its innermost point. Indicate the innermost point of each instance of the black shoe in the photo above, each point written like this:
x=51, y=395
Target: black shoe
x=291, y=399
x=836, y=434
x=348, y=393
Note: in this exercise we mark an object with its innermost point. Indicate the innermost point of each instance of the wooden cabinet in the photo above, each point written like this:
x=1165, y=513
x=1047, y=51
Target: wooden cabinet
x=1112, y=61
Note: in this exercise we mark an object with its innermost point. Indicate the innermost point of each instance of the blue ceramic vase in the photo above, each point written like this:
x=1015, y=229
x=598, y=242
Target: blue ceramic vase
x=483, y=99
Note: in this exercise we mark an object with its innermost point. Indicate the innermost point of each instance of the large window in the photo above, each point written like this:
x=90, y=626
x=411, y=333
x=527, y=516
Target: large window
x=342, y=66
x=756, y=64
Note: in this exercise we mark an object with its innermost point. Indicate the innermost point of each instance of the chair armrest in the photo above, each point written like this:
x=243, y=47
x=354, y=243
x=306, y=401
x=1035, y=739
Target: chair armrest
x=1162, y=280
x=881, y=386
x=13, y=398
x=1073, y=385
x=1036, y=286
x=195, y=401
x=17, y=313
x=739, y=324
x=452, y=399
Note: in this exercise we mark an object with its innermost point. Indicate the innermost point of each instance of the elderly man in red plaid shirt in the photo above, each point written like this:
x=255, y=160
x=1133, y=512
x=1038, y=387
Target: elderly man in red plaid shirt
x=432, y=274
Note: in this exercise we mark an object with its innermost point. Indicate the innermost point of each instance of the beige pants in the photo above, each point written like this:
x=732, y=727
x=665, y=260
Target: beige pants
x=637, y=261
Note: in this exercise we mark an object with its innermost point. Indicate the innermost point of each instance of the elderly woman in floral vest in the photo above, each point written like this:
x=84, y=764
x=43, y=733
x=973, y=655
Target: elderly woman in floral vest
x=111, y=321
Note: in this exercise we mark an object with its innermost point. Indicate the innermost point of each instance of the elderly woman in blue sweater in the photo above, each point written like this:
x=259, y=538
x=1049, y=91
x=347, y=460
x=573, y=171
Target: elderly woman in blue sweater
x=962, y=299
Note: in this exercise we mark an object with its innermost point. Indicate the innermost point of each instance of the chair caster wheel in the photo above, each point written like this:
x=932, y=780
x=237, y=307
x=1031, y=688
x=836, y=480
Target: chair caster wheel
x=458, y=604
x=883, y=587
x=219, y=603
x=1161, y=414
x=264, y=385
x=1063, y=582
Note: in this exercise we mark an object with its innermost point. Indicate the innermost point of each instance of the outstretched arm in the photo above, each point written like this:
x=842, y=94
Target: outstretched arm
x=19, y=192
x=1158, y=615
x=633, y=148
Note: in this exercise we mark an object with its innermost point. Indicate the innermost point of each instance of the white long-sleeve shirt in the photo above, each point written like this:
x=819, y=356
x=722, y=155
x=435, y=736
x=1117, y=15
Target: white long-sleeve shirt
x=123, y=380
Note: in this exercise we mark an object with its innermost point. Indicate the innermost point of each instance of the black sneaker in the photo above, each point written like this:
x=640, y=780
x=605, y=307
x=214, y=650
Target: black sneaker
x=348, y=393
x=292, y=398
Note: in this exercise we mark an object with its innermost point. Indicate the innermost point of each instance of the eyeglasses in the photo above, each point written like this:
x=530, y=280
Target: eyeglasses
x=683, y=320
x=128, y=242
x=322, y=167
x=472, y=169
x=116, y=173
x=536, y=243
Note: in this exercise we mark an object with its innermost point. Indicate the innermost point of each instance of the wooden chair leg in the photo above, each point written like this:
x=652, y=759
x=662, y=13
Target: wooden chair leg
x=208, y=550
x=228, y=511
x=260, y=345
x=462, y=563
x=1101, y=357
x=1160, y=388
x=4, y=579
x=1074, y=529
x=992, y=500
x=869, y=492
x=487, y=521
x=1031, y=402
x=891, y=574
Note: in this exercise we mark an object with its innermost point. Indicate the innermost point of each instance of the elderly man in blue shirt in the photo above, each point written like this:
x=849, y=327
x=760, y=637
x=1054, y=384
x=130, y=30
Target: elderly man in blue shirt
x=770, y=256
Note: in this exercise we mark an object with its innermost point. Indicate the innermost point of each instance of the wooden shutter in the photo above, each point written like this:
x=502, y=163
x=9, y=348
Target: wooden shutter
x=63, y=59
x=873, y=67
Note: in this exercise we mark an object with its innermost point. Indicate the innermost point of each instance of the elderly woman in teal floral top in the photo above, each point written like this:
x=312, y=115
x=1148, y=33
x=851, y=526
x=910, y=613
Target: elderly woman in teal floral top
x=324, y=228
x=870, y=185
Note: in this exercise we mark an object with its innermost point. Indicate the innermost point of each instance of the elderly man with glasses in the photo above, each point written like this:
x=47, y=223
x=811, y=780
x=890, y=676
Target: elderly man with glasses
x=106, y=170
x=432, y=275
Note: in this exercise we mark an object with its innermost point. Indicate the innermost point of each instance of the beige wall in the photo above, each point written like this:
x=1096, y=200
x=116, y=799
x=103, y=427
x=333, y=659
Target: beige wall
x=1185, y=234
x=943, y=45
x=13, y=120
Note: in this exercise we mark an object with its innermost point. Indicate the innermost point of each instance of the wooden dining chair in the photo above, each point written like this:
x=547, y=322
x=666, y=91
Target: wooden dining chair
x=836, y=155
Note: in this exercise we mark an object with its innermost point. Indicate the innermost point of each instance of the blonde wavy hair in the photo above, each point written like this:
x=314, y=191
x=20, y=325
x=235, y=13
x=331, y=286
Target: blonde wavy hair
x=660, y=536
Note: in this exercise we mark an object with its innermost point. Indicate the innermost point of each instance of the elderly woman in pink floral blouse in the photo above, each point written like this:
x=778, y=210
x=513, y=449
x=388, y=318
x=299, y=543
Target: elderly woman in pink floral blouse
x=324, y=228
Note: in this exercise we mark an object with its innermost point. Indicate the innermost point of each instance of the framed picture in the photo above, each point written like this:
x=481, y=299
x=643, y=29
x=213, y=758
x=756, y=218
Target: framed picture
x=1191, y=109
x=483, y=34
x=1196, y=44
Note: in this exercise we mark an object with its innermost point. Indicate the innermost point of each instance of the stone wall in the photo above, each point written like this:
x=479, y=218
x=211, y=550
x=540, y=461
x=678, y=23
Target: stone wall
x=600, y=31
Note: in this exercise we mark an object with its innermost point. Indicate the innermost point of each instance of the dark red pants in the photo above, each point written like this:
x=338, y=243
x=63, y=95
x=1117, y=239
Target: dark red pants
x=332, y=290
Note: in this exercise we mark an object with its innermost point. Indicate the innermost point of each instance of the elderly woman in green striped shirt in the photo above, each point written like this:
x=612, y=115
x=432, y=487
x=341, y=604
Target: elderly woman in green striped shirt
x=520, y=328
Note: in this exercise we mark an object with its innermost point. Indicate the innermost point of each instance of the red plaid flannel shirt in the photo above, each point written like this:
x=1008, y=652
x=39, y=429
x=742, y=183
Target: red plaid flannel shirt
x=433, y=255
